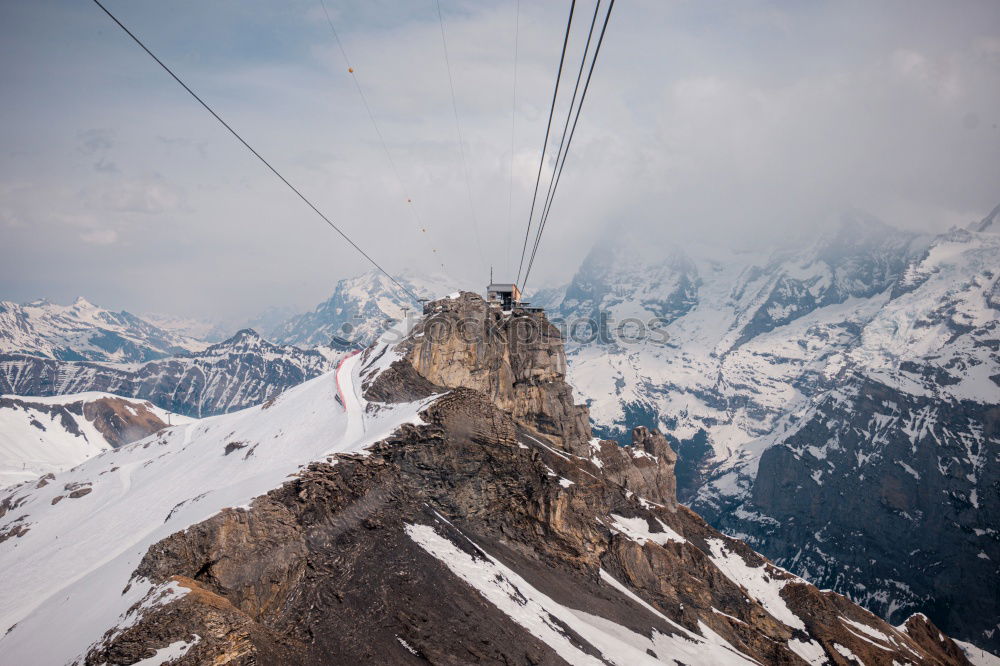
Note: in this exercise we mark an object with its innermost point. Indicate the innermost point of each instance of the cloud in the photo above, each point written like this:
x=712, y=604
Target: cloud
x=180, y=142
x=99, y=236
x=95, y=140
x=144, y=197
x=104, y=165
x=738, y=121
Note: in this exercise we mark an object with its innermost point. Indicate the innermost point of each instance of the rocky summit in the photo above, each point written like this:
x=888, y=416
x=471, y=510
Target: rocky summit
x=436, y=499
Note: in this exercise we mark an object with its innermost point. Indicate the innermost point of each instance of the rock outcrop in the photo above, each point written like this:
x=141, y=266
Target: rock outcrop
x=646, y=468
x=517, y=360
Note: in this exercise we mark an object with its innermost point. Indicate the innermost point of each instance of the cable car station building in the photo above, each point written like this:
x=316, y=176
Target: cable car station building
x=507, y=296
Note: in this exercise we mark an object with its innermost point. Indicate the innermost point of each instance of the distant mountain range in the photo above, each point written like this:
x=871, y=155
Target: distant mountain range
x=243, y=371
x=356, y=313
x=439, y=500
x=834, y=403
x=85, y=332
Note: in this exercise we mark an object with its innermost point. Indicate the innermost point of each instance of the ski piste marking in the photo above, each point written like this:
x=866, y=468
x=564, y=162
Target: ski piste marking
x=353, y=406
x=340, y=389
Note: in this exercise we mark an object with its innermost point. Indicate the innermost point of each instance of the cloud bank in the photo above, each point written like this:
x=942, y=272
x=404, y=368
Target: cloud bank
x=742, y=121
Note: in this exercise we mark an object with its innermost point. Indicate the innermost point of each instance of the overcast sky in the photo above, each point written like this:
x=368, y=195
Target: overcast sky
x=744, y=120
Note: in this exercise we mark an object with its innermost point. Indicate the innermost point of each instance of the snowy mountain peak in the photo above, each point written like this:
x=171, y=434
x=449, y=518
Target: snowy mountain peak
x=84, y=331
x=245, y=340
x=861, y=237
x=359, y=310
x=244, y=335
x=988, y=223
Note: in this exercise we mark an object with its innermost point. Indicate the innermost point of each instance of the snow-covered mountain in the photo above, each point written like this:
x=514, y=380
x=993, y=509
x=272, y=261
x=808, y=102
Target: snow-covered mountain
x=44, y=435
x=408, y=507
x=243, y=371
x=85, y=332
x=843, y=388
x=191, y=327
x=744, y=356
x=360, y=309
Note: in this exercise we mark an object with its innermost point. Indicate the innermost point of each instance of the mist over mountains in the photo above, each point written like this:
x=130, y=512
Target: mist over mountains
x=833, y=403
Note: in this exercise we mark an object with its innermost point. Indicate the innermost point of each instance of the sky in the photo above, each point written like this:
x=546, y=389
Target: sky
x=745, y=122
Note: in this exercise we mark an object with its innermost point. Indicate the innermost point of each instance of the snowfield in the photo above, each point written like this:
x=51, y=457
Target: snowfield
x=35, y=441
x=535, y=611
x=79, y=551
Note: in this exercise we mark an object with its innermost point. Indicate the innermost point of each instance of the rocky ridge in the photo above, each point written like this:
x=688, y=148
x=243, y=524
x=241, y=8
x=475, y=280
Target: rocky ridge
x=473, y=533
x=243, y=371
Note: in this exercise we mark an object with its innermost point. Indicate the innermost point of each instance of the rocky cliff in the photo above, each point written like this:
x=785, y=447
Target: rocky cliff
x=516, y=360
x=472, y=520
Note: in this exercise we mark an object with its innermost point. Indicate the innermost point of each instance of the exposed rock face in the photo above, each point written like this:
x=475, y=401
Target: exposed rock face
x=516, y=359
x=122, y=421
x=467, y=538
x=646, y=468
x=243, y=371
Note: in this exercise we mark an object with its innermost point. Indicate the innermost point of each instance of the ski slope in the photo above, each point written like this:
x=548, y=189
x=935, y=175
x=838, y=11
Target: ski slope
x=39, y=435
x=78, y=554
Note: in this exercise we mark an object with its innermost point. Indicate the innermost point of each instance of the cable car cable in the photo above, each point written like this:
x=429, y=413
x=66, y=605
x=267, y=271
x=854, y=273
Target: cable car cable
x=255, y=153
x=421, y=227
x=560, y=155
x=583, y=96
x=545, y=142
x=458, y=129
x=513, y=118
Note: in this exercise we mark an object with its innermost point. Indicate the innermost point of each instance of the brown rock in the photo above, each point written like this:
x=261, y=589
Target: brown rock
x=645, y=468
x=517, y=360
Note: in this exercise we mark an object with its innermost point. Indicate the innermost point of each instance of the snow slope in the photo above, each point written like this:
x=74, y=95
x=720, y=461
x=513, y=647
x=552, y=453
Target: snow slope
x=535, y=611
x=77, y=555
x=50, y=434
